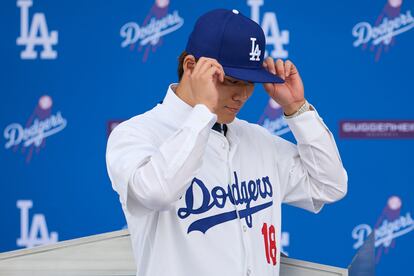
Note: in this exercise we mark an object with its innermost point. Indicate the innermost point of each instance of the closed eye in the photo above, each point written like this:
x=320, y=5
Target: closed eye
x=229, y=81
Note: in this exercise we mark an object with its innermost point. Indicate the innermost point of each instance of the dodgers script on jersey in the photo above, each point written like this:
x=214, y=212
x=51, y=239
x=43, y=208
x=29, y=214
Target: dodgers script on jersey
x=198, y=202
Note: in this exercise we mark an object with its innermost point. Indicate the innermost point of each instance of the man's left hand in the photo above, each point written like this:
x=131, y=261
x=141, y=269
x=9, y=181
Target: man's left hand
x=290, y=95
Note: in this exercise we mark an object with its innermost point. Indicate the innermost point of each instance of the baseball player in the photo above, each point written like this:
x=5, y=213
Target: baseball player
x=202, y=190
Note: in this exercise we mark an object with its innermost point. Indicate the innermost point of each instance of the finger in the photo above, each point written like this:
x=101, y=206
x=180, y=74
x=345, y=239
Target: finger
x=280, y=68
x=270, y=65
x=214, y=70
x=294, y=75
x=222, y=74
x=288, y=68
x=205, y=64
x=293, y=70
x=198, y=65
x=204, y=67
x=213, y=63
x=219, y=72
x=269, y=88
x=265, y=63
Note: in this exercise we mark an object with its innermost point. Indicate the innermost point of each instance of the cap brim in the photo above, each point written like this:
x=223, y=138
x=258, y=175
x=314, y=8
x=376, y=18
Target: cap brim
x=252, y=75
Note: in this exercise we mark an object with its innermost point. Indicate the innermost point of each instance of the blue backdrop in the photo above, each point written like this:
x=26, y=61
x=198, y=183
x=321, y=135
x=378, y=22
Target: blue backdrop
x=70, y=70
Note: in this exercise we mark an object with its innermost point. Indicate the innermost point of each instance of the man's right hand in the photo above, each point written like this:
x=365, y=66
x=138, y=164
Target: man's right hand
x=203, y=81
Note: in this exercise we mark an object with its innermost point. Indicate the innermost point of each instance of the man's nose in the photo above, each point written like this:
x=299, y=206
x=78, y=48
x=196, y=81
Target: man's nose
x=241, y=95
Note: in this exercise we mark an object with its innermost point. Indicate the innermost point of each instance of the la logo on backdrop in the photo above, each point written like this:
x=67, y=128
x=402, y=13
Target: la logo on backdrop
x=272, y=116
x=40, y=125
x=380, y=36
x=391, y=224
x=34, y=232
x=35, y=32
x=147, y=37
x=269, y=23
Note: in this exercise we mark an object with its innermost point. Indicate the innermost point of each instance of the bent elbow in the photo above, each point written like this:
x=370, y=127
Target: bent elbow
x=341, y=188
x=153, y=198
x=335, y=188
x=156, y=201
x=341, y=193
x=344, y=183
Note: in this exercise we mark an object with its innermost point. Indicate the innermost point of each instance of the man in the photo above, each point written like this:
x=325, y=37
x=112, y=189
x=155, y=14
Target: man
x=202, y=190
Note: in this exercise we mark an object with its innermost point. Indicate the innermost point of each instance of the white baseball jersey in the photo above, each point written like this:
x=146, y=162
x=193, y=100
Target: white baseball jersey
x=201, y=203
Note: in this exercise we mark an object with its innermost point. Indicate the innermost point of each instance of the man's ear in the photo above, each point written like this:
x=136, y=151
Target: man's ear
x=189, y=64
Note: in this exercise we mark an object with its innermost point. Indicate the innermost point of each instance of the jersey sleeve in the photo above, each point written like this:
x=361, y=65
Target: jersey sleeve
x=153, y=176
x=311, y=172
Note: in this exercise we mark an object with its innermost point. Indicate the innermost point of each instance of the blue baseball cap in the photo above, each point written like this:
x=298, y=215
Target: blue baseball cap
x=235, y=41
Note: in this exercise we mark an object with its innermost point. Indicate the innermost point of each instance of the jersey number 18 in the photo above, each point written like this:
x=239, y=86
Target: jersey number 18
x=269, y=237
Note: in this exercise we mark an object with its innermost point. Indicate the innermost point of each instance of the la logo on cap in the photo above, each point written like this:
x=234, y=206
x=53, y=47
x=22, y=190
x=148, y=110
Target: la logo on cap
x=255, y=53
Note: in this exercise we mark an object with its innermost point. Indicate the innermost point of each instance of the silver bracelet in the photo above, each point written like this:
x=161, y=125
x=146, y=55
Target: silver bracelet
x=305, y=107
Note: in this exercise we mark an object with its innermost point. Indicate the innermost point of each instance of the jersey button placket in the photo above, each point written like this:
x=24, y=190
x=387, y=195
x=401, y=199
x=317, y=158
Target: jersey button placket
x=225, y=148
x=243, y=227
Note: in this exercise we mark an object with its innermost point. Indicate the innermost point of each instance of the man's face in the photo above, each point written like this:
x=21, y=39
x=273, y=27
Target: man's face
x=233, y=93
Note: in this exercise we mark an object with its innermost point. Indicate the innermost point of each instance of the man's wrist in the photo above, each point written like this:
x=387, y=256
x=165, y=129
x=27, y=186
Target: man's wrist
x=292, y=108
x=303, y=108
